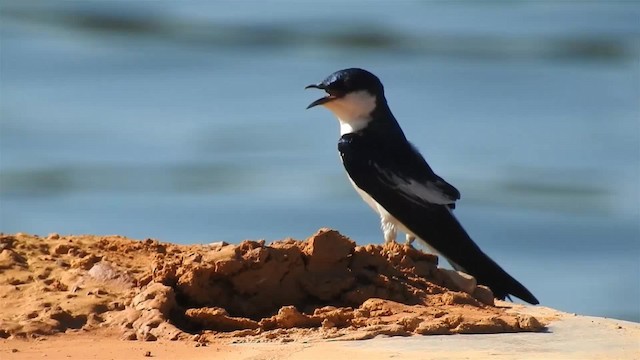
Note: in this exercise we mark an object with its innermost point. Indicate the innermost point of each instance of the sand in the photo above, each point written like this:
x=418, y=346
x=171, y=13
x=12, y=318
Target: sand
x=106, y=294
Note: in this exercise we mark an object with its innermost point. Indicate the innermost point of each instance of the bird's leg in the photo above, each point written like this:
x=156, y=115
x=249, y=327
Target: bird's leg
x=409, y=239
x=389, y=231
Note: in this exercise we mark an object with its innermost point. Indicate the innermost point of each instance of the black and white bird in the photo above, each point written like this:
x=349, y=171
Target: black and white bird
x=396, y=181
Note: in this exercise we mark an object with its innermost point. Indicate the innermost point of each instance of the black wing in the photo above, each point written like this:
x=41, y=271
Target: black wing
x=405, y=171
x=399, y=179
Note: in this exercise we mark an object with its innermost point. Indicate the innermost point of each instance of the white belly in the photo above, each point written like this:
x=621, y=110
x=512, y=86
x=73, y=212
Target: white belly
x=389, y=224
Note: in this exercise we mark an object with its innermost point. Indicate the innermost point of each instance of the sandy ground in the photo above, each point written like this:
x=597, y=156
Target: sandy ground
x=108, y=297
x=568, y=337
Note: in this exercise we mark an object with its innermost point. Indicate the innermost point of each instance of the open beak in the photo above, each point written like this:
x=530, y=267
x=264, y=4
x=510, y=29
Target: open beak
x=322, y=100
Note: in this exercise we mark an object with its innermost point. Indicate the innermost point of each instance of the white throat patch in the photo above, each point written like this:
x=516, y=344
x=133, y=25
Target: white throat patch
x=353, y=110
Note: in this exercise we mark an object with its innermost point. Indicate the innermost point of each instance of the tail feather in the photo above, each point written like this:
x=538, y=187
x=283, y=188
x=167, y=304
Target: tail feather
x=443, y=232
x=488, y=273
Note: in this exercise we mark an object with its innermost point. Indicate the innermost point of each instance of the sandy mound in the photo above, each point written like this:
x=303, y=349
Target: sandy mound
x=324, y=287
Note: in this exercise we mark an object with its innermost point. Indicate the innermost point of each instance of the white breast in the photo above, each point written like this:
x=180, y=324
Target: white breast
x=388, y=222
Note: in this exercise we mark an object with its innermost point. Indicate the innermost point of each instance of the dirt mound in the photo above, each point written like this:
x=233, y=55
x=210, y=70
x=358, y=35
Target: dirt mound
x=323, y=287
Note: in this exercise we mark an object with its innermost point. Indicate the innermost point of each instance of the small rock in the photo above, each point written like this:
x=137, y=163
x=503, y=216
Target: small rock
x=60, y=249
x=10, y=258
x=218, y=319
x=6, y=242
x=86, y=262
x=115, y=306
x=15, y=281
x=218, y=245
x=147, y=354
x=484, y=295
x=463, y=281
x=129, y=335
x=53, y=236
x=144, y=280
x=155, y=296
x=57, y=285
x=61, y=263
x=74, y=251
x=327, y=324
x=149, y=337
x=193, y=258
x=104, y=271
x=529, y=322
x=99, y=291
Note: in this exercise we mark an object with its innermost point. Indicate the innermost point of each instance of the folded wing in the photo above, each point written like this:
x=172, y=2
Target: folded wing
x=401, y=181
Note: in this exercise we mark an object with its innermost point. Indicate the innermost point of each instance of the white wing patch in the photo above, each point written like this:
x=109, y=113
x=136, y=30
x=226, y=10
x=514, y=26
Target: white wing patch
x=414, y=190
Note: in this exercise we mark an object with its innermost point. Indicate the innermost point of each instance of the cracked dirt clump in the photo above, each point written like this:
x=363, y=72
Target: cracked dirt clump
x=323, y=287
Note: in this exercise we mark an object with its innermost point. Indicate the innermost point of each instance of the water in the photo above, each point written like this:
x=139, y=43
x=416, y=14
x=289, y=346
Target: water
x=186, y=123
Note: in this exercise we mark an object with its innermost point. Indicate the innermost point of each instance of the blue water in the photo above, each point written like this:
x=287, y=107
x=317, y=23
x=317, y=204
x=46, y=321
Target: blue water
x=186, y=123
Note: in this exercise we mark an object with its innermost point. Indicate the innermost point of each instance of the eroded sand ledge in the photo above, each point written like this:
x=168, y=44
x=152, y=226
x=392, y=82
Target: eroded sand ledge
x=323, y=287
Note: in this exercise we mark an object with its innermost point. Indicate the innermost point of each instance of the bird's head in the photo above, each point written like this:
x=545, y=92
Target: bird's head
x=352, y=95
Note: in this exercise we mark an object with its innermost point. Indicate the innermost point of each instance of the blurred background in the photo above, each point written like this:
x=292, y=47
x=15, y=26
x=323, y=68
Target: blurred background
x=186, y=122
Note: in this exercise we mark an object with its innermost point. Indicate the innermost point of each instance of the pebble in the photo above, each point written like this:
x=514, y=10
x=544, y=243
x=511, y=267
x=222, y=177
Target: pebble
x=464, y=281
x=218, y=245
x=60, y=249
x=129, y=335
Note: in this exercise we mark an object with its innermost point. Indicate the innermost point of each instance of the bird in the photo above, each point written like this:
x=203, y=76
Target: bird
x=394, y=179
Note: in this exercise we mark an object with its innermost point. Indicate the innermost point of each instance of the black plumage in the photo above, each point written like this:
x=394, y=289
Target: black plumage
x=383, y=164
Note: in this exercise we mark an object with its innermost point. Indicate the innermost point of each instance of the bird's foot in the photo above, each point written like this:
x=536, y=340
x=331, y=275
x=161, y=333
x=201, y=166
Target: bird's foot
x=409, y=240
x=389, y=237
